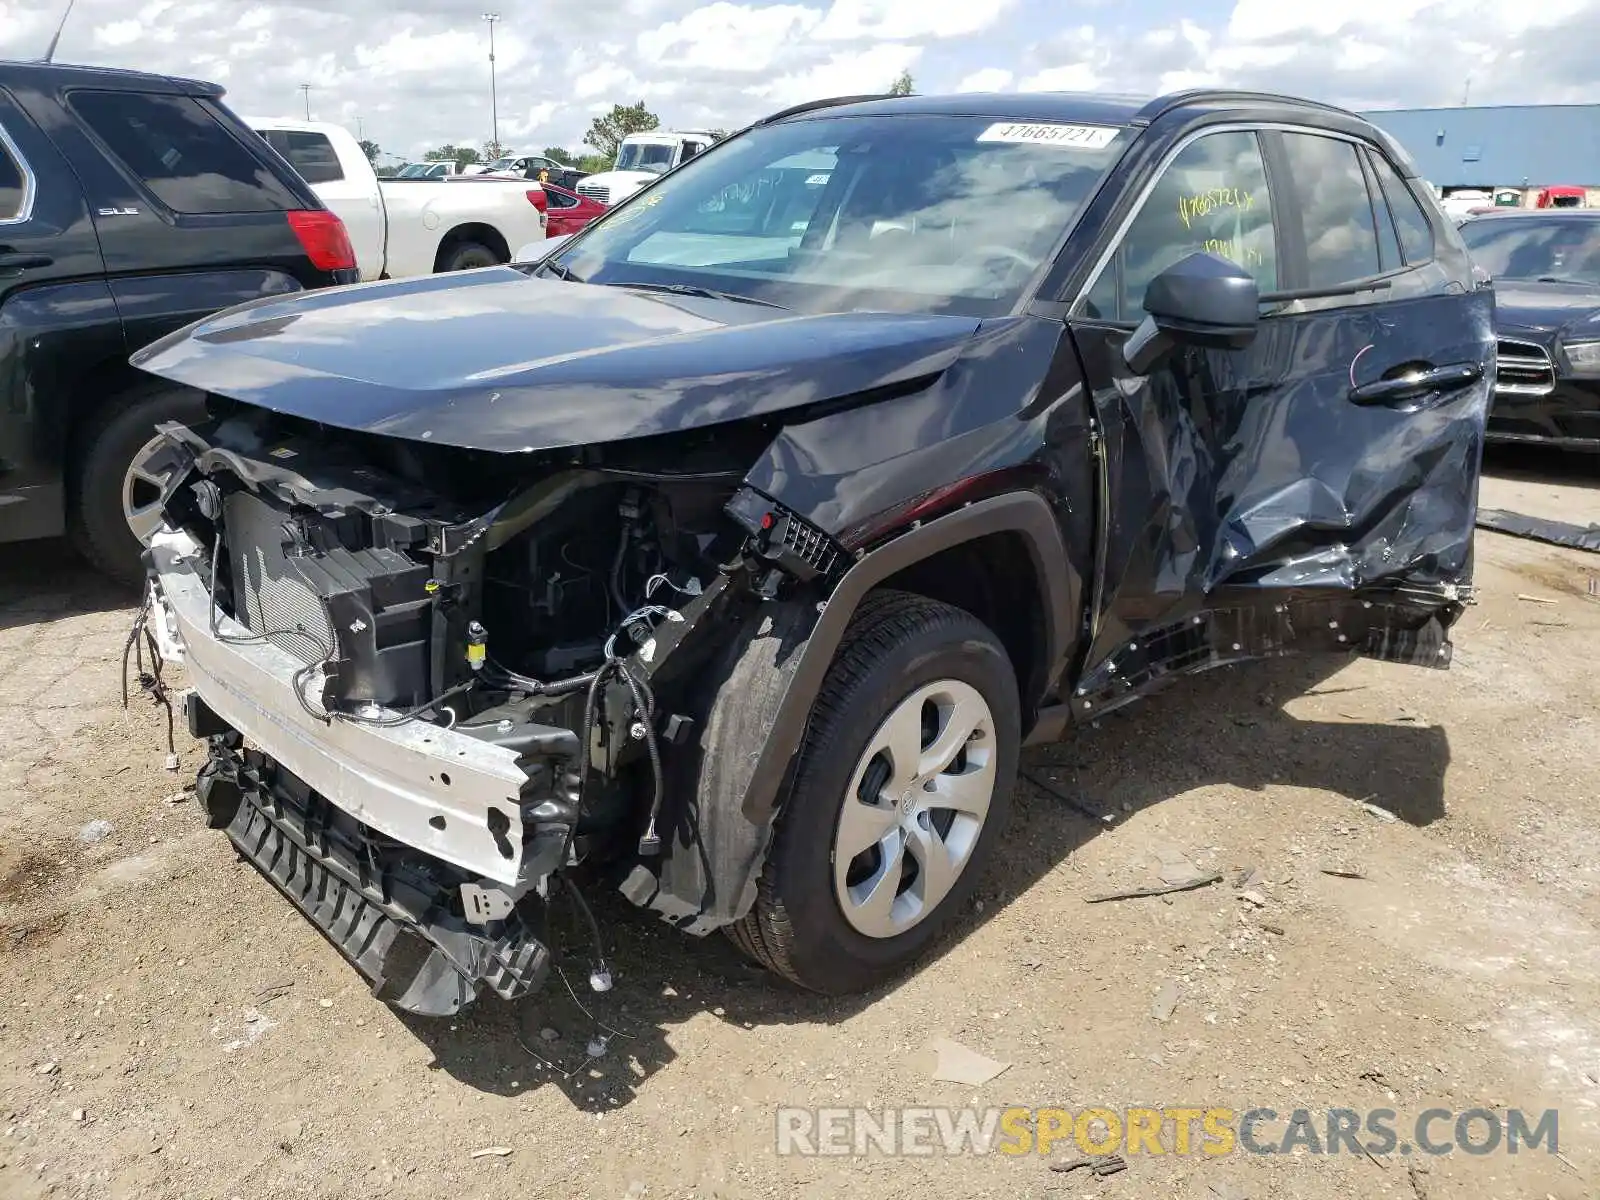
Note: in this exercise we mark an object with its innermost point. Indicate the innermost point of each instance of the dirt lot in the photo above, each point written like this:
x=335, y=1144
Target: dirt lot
x=170, y=1027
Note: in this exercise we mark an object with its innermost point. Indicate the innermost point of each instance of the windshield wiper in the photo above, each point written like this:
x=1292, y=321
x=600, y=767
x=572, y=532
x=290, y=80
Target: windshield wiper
x=559, y=271
x=694, y=289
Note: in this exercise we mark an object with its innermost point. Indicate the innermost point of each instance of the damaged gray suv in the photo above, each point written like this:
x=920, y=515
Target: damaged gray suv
x=729, y=555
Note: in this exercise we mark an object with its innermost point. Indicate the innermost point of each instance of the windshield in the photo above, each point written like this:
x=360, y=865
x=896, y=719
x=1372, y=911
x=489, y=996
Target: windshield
x=1559, y=250
x=502, y=164
x=414, y=171
x=902, y=213
x=644, y=156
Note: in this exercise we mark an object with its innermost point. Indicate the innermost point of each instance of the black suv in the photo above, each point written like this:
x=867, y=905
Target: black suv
x=130, y=205
x=730, y=554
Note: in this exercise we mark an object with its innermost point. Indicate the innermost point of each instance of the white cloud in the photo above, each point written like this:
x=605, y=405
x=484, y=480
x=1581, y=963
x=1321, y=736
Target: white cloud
x=607, y=78
x=905, y=20
x=727, y=37
x=405, y=51
x=1072, y=77
x=849, y=74
x=118, y=33
x=990, y=79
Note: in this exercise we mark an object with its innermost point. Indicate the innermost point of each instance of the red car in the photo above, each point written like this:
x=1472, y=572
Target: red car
x=567, y=211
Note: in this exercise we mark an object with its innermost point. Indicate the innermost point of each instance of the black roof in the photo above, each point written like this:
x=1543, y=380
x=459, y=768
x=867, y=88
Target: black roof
x=55, y=77
x=1095, y=108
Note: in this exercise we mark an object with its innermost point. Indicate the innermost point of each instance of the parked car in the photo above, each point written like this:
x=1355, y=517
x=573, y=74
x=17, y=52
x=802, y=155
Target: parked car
x=1461, y=202
x=130, y=205
x=538, y=168
x=428, y=170
x=415, y=228
x=641, y=159
x=741, y=584
x=1545, y=264
x=1562, y=197
x=568, y=211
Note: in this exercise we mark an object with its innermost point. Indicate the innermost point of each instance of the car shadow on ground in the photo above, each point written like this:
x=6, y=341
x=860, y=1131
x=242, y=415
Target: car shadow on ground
x=1541, y=464
x=1225, y=728
x=44, y=581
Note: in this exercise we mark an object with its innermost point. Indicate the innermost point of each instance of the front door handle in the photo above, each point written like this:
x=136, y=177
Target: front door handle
x=1417, y=383
x=21, y=261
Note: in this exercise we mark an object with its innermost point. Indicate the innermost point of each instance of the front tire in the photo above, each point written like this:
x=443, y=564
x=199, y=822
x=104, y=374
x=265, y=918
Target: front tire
x=114, y=499
x=900, y=789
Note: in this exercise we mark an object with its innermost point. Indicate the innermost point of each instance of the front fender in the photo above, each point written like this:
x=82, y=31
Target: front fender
x=1025, y=513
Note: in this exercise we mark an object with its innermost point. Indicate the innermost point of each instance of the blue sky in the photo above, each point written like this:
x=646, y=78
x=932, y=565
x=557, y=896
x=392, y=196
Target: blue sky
x=415, y=74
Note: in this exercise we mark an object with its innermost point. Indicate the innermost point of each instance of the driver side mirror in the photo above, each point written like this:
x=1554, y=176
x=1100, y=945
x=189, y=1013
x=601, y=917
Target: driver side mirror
x=1203, y=300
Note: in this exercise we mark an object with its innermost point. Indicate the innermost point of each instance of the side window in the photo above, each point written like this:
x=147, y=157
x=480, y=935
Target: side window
x=313, y=155
x=1416, y=235
x=1335, y=209
x=185, y=156
x=557, y=199
x=1212, y=198
x=13, y=182
x=688, y=150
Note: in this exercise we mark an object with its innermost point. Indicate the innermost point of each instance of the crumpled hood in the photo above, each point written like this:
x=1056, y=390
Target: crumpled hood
x=1547, y=307
x=495, y=360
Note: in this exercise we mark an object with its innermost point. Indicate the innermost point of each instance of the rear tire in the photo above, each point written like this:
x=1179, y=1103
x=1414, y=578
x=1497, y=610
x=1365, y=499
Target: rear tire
x=469, y=256
x=103, y=496
x=903, y=657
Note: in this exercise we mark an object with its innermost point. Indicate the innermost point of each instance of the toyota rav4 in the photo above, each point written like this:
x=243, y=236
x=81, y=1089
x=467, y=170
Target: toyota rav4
x=729, y=555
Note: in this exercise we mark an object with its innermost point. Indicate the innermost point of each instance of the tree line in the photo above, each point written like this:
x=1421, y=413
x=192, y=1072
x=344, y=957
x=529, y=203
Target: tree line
x=604, y=136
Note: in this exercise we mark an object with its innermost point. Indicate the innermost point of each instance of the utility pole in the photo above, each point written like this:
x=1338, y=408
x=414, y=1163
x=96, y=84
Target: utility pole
x=305, y=90
x=494, y=101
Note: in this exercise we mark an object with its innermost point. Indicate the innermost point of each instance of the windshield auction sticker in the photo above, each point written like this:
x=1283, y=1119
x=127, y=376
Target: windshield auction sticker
x=1069, y=137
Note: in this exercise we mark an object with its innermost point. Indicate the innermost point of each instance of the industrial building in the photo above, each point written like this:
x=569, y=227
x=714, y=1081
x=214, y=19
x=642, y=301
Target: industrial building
x=1501, y=149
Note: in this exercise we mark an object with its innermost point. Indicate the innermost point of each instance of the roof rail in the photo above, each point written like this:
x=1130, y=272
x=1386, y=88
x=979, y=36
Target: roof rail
x=813, y=105
x=1162, y=105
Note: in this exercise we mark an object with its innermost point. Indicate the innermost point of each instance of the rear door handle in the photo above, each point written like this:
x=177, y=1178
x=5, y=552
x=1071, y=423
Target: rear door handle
x=1417, y=383
x=21, y=261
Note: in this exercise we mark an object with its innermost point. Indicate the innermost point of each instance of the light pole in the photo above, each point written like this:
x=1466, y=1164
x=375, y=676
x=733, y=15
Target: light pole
x=494, y=102
x=305, y=90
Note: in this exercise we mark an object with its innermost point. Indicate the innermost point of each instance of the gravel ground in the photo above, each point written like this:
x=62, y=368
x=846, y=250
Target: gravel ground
x=170, y=1027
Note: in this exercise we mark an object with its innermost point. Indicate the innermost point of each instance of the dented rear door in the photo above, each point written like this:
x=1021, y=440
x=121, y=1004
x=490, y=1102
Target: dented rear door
x=1315, y=491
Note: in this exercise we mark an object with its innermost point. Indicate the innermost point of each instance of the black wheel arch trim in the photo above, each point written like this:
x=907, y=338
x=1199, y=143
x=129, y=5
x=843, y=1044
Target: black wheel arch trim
x=1026, y=513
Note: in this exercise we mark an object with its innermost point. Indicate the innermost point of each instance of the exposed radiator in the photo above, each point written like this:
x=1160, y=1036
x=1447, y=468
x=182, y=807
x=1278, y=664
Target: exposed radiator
x=273, y=601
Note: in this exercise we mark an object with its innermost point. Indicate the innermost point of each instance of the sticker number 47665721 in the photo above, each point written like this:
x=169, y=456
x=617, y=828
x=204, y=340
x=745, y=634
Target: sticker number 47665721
x=1068, y=137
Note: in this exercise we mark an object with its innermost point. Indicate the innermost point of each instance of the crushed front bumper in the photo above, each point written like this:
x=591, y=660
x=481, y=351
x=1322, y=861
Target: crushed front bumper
x=420, y=784
x=389, y=913
x=406, y=845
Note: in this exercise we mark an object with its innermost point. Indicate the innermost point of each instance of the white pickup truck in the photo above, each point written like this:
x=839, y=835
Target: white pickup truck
x=641, y=157
x=412, y=226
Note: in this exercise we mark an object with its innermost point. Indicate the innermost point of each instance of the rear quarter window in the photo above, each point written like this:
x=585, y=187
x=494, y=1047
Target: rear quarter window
x=187, y=159
x=311, y=154
x=13, y=185
x=1416, y=235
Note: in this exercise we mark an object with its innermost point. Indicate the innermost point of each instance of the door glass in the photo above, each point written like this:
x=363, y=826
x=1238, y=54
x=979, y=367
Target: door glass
x=190, y=161
x=12, y=185
x=557, y=199
x=1212, y=198
x=1335, y=210
x=1416, y=235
